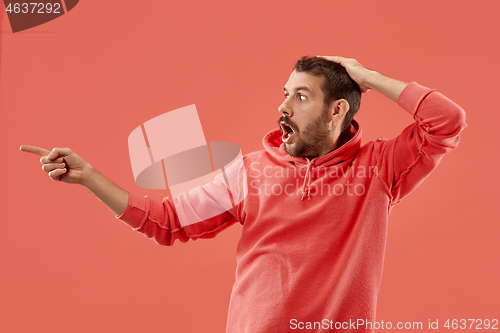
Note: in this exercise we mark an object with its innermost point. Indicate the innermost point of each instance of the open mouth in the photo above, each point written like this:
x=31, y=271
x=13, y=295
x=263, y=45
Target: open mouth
x=287, y=132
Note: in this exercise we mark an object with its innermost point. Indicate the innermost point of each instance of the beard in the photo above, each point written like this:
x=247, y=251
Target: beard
x=313, y=140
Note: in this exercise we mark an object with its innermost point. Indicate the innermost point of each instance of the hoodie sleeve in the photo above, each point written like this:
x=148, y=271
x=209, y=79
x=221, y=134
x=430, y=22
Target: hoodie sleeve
x=405, y=161
x=162, y=222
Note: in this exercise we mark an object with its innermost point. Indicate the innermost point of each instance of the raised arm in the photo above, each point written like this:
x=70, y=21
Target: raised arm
x=62, y=164
x=405, y=161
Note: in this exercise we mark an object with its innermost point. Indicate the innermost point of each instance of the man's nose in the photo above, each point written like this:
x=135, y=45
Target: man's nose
x=285, y=108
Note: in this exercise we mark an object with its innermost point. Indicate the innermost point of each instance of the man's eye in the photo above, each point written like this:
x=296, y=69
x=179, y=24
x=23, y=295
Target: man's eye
x=301, y=97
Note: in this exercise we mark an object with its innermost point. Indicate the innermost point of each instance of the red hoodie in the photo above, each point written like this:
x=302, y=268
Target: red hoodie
x=314, y=232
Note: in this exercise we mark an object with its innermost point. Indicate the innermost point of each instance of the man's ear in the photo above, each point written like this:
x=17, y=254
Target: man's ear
x=339, y=108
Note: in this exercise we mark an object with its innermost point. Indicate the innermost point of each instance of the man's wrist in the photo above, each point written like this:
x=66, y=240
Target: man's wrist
x=372, y=78
x=88, y=175
x=113, y=196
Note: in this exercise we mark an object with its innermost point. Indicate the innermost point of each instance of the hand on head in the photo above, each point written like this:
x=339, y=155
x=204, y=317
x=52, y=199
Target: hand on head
x=356, y=71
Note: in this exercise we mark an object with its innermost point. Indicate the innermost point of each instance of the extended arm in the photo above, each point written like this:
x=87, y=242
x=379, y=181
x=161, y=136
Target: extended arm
x=156, y=220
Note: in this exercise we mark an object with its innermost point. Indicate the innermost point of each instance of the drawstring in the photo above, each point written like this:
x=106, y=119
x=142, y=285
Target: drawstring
x=306, y=189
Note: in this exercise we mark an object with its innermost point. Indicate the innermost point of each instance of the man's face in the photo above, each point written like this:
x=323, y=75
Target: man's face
x=305, y=122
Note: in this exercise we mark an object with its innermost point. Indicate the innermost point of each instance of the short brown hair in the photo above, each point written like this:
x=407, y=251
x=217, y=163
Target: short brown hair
x=337, y=85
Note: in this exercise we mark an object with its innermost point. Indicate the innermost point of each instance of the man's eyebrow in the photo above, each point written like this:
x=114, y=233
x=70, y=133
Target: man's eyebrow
x=299, y=88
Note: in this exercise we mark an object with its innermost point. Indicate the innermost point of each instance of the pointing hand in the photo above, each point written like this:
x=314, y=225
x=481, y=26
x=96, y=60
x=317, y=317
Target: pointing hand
x=62, y=164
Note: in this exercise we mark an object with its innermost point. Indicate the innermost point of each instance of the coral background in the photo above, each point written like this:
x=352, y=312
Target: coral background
x=86, y=79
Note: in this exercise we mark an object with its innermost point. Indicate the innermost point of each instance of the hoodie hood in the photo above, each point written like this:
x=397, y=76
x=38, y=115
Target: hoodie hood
x=349, y=146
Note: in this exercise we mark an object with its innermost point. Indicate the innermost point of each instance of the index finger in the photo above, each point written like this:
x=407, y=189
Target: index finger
x=34, y=150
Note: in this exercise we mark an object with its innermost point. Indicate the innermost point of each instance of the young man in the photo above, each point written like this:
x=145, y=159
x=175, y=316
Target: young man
x=316, y=203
